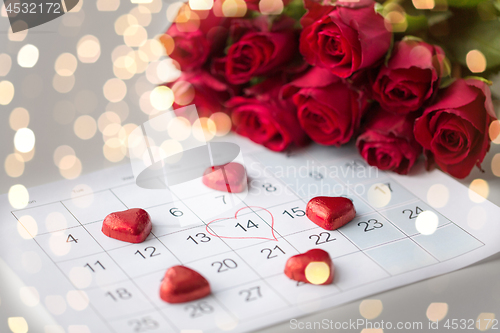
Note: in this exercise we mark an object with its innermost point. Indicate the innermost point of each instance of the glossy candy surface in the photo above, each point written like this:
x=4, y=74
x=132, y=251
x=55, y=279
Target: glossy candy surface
x=182, y=284
x=132, y=225
x=229, y=177
x=313, y=266
x=330, y=213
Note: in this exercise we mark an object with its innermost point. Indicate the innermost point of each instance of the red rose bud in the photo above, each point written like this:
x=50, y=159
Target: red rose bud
x=258, y=52
x=265, y=118
x=230, y=177
x=182, y=284
x=330, y=213
x=411, y=77
x=344, y=38
x=387, y=141
x=329, y=110
x=202, y=89
x=132, y=225
x=454, y=130
x=315, y=267
x=191, y=45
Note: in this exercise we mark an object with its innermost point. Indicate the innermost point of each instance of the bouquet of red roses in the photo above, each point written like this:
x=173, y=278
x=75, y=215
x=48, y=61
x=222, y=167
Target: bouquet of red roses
x=288, y=72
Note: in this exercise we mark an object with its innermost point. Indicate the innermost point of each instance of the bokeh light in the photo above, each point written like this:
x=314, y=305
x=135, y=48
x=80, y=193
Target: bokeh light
x=6, y=92
x=63, y=84
x=179, y=128
x=379, y=195
x=114, y=90
x=478, y=190
x=153, y=49
x=371, y=308
x=22, y=32
x=476, y=62
x=66, y=64
x=28, y=56
x=61, y=152
x=14, y=165
x=183, y=92
x=173, y=10
x=55, y=304
x=123, y=22
x=495, y=164
x=201, y=4
x=271, y=7
x=135, y=36
x=85, y=127
x=424, y=4
x=494, y=131
x=24, y=140
x=485, y=321
x=74, y=170
x=77, y=299
x=29, y=296
x=161, y=98
x=317, y=272
x=142, y=14
x=18, y=196
x=17, y=324
x=437, y=311
x=222, y=123
x=234, y=8
x=19, y=118
x=107, y=5
x=438, y=195
x=427, y=222
x=5, y=64
x=121, y=109
x=27, y=227
x=88, y=49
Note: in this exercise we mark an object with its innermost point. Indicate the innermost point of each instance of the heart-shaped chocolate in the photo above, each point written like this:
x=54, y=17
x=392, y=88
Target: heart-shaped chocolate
x=314, y=266
x=182, y=284
x=330, y=213
x=230, y=177
x=132, y=225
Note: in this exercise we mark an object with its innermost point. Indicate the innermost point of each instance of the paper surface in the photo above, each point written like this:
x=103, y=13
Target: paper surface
x=407, y=228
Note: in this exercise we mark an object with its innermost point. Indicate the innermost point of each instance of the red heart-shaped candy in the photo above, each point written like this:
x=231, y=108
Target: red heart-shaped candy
x=330, y=213
x=182, y=284
x=132, y=225
x=230, y=177
x=314, y=266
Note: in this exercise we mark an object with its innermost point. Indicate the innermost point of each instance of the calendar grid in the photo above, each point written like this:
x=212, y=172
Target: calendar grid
x=60, y=270
x=294, y=234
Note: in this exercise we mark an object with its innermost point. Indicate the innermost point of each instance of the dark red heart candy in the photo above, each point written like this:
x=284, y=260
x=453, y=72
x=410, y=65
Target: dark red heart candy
x=229, y=177
x=330, y=213
x=182, y=284
x=321, y=270
x=132, y=225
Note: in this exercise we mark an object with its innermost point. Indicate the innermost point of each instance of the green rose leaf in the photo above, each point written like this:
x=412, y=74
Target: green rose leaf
x=464, y=3
x=477, y=35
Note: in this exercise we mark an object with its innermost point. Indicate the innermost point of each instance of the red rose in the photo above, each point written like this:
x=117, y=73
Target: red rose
x=203, y=90
x=411, y=78
x=454, y=131
x=387, y=141
x=192, y=47
x=265, y=118
x=329, y=110
x=342, y=38
x=258, y=52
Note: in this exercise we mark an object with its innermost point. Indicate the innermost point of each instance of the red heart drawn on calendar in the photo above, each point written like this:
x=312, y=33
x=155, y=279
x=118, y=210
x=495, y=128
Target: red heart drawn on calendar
x=238, y=226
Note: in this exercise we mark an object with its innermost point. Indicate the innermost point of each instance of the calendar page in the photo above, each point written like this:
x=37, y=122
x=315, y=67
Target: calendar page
x=407, y=228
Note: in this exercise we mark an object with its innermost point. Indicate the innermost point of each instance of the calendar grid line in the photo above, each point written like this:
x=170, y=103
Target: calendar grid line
x=67, y=278
x=447, y=218
x=180, y=261
x=116, y=263
x=257, y=273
